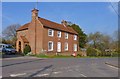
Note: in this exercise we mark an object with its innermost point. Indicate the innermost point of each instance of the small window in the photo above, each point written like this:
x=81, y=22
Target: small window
x=59, y=34
x=75, y=37
x=50, y=46
x=66, y=46
x=50, y=32
x=66, y=35
x=75, y=47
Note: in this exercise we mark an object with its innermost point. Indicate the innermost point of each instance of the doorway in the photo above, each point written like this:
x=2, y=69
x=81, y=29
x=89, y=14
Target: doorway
x=19, y=46
x=59, y=47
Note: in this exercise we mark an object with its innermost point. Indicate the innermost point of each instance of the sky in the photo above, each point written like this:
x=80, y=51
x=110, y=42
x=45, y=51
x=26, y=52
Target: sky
x=90, y=16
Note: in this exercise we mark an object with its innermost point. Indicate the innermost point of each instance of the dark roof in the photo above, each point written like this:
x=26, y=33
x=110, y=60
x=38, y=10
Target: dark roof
x=50, y=24
x=24, y=39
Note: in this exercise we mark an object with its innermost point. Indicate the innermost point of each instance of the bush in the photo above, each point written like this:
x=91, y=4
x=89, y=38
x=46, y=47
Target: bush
x=115, y=54
x=92, y=52
x=27, y=49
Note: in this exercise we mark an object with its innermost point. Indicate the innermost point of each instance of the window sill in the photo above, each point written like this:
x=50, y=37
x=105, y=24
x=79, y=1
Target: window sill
x=50, y=50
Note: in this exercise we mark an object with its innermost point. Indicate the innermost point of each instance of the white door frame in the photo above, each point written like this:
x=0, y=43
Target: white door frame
x=58, y=46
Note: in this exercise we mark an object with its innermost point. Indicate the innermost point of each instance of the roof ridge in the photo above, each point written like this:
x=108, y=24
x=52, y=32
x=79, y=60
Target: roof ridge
x=50, y=21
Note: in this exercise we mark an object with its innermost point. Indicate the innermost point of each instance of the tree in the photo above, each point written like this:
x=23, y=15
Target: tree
x=82, y=36
x=94, y=39
x=10, y=31
x=99, y=41
x=115, y=42
x=9, y=34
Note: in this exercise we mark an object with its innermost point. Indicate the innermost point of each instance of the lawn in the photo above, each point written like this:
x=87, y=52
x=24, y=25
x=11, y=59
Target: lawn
x=62, y=56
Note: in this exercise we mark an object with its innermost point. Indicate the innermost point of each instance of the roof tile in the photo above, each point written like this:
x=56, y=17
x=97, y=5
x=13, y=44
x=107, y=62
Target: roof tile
x=50, y=24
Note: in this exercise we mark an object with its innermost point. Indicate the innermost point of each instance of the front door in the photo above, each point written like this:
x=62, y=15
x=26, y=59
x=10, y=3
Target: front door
x=59, y=47
x=19, y=46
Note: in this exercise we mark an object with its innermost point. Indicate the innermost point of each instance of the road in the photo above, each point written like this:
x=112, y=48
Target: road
x=58, y=67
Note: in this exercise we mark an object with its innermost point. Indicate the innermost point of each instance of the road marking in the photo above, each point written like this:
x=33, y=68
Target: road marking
x=56, y=72
x=41, y=75
x=83, y=75
x=15, y=75
x=112, y=67
x=0, y=77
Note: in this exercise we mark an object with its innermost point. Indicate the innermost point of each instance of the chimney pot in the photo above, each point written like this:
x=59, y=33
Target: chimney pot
x=63, y=22
x=34, y=13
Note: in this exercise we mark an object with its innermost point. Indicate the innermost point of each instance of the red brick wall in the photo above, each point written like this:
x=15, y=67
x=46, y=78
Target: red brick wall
x=21, y=33
x=55, y=39
x=35, y=41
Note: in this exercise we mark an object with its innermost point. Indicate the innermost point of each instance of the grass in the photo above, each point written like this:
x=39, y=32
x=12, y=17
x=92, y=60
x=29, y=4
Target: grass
x=53, y=56
x=62, y=56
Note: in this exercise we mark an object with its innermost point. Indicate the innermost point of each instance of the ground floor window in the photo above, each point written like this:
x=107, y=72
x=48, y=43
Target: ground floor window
x=75, y=47
x=66, y=46
x=50, y=46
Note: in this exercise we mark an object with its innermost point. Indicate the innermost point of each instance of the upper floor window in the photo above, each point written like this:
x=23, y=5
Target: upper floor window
x=50, y=46
x=75, y=37
x=66, y=46
x=59, y=34
x=50, y=32
x=66, y=35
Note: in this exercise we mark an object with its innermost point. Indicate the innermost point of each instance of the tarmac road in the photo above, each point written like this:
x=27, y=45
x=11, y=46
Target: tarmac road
x=59, y=67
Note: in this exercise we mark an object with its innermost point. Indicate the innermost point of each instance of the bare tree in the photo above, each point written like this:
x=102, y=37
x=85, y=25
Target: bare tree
x=99, y=41
x=10, y=31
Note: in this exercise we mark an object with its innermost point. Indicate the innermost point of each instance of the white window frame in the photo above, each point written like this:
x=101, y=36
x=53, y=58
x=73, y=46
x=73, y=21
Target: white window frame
x=66, y=35
x=52, y=32
x=51, y=47
x=66, y=46
x=75, y=37
x=75, y=47
x=59, y=33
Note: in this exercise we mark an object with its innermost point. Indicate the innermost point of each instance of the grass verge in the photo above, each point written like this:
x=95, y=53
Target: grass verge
x=63, y=56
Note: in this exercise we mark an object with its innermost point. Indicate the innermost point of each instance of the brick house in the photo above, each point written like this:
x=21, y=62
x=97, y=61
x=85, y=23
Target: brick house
x=46, y=36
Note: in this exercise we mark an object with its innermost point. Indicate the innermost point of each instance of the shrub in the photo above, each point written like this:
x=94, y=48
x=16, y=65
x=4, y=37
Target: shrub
x=115, y=54
x=27, y=49
x=92, y=52
x=98, y=52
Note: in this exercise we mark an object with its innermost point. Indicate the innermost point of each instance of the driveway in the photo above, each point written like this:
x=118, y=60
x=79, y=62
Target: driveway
x=56, y=67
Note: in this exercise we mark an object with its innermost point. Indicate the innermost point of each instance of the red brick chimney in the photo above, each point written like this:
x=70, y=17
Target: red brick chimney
x=63, y=22
x=35, y=14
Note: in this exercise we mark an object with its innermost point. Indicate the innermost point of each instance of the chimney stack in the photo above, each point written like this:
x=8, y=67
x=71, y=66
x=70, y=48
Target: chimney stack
x=63, y=22
x=35, y=14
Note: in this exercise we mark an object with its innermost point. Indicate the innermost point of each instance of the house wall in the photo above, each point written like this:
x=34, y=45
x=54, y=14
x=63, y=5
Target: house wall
x=55, y=39
x=21, y=33
x=17, y=45
x=35, y=36
x=42, y=39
